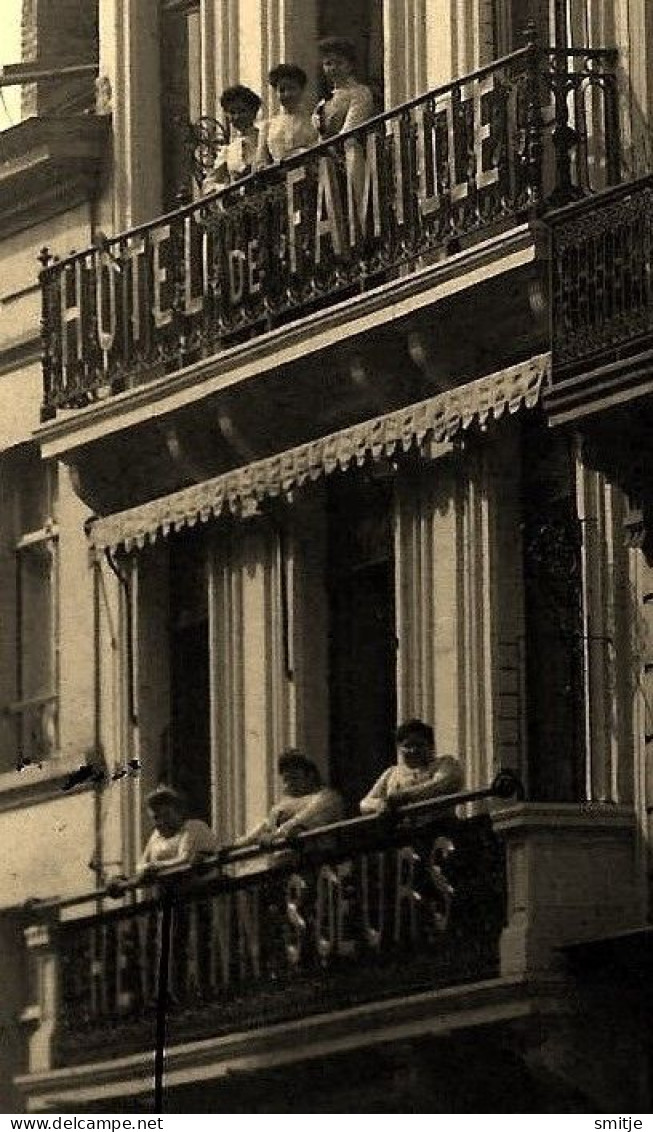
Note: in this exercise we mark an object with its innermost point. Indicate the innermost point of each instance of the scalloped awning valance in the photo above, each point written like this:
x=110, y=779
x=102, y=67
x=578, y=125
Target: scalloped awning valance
x=427, y=424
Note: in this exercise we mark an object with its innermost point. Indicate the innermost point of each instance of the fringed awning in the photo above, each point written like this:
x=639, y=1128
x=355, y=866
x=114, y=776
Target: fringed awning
x=427, y=424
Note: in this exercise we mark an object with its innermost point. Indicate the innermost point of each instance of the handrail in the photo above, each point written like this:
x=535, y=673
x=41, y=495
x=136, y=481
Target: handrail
x=603, y=197
x=505, y=785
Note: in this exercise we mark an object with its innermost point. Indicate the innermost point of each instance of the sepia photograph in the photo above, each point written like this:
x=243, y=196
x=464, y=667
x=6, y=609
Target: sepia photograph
x=326, y=560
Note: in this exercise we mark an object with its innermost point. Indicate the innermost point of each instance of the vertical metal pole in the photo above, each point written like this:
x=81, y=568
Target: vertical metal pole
x=98, y=789
x=162, y=1000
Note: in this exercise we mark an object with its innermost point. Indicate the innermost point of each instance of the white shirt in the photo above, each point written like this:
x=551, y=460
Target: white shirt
x=442, y=776
x=193, y=839
x=233, y=160
x=350, y=105
x=285, y=134
x=292, y=814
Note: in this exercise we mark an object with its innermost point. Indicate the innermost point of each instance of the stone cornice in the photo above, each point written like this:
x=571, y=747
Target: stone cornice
x=47, y=166
x=550, y=816
x=19, y=352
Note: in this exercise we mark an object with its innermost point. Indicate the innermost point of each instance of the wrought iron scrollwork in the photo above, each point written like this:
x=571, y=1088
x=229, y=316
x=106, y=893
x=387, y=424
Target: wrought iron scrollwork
x=205, y=137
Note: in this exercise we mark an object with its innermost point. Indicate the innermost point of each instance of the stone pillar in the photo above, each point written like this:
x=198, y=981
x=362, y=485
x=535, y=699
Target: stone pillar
x=220, y=51
x=572, y=875
x=271, y=32
x=41, y=1012
x=429, y=600
x=503, y=488
x=633, y=36
x=129, y=58
x=443, y=609
x=640, y=673
x=607, y=644
x=308, y=616
x=460, y=616
x=250, y=693
x=427, y=46
x=76, y=644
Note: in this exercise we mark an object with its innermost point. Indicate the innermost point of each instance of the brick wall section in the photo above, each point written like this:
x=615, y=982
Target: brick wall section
x=28, y=45
x=53, y=33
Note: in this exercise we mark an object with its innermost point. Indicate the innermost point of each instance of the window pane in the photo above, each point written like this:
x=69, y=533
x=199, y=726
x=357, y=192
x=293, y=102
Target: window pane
x=36, y=628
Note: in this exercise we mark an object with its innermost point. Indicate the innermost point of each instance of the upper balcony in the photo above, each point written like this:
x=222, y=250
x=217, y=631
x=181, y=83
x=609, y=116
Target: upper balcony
x=377, y=929
x=413, y=207
x=602, y=301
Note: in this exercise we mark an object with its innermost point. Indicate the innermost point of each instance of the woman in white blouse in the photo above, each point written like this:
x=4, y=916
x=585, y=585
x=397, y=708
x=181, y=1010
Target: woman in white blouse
x=291, y=130
x=238, y=157
x=351, y=102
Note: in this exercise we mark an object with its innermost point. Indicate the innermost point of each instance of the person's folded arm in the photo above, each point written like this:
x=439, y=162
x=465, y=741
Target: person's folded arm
x=376, y=800
x=323, y=809
x=253, y=837
x=447, y=779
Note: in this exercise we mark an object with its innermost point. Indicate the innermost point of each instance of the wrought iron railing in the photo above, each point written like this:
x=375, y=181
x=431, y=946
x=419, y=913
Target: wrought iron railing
x=403, y=190
x=601, y=279
x=356, y=912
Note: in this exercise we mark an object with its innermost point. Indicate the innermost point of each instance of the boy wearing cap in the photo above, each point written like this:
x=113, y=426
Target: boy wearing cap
x=291, y=130
x=305, y=804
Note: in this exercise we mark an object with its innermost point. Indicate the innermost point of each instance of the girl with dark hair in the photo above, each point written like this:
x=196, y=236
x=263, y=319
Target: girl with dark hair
x=291, y=130
x=238, y=157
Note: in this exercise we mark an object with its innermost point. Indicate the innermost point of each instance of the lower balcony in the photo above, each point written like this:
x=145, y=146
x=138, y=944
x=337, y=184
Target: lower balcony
x=372, y=932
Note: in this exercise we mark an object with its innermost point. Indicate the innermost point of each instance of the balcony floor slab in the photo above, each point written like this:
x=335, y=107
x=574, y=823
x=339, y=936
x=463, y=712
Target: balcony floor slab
x=494, y=1002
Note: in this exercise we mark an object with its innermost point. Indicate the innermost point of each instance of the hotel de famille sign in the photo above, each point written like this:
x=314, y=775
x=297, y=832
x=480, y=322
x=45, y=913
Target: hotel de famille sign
x=317, y=225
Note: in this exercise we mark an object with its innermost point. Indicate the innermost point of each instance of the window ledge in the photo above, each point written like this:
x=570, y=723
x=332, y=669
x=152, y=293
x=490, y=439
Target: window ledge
x=38, y=783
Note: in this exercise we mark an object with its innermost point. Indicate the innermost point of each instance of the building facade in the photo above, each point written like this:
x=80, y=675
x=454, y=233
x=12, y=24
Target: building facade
x=278, y=469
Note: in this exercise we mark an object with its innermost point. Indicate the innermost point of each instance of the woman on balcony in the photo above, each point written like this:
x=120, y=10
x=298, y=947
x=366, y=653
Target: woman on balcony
x=351, y=102
x=305, y=804
x=291, y=130
x=237, y=158
x=176, y=838
x=419, y=774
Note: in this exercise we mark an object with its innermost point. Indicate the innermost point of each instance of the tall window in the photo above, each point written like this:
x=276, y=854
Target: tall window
x=362, y=633
x=190, y=752
x=181, y=79
x=31, y=706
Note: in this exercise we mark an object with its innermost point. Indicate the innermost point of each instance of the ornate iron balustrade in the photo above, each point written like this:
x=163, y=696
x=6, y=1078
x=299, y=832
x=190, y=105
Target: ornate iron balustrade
x=359, y=911
x=601, y=286
x=405, y=189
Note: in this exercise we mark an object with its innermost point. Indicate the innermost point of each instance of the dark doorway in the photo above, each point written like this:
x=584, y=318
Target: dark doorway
x=362, y=22
x=362, y=635
x=190, y=762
